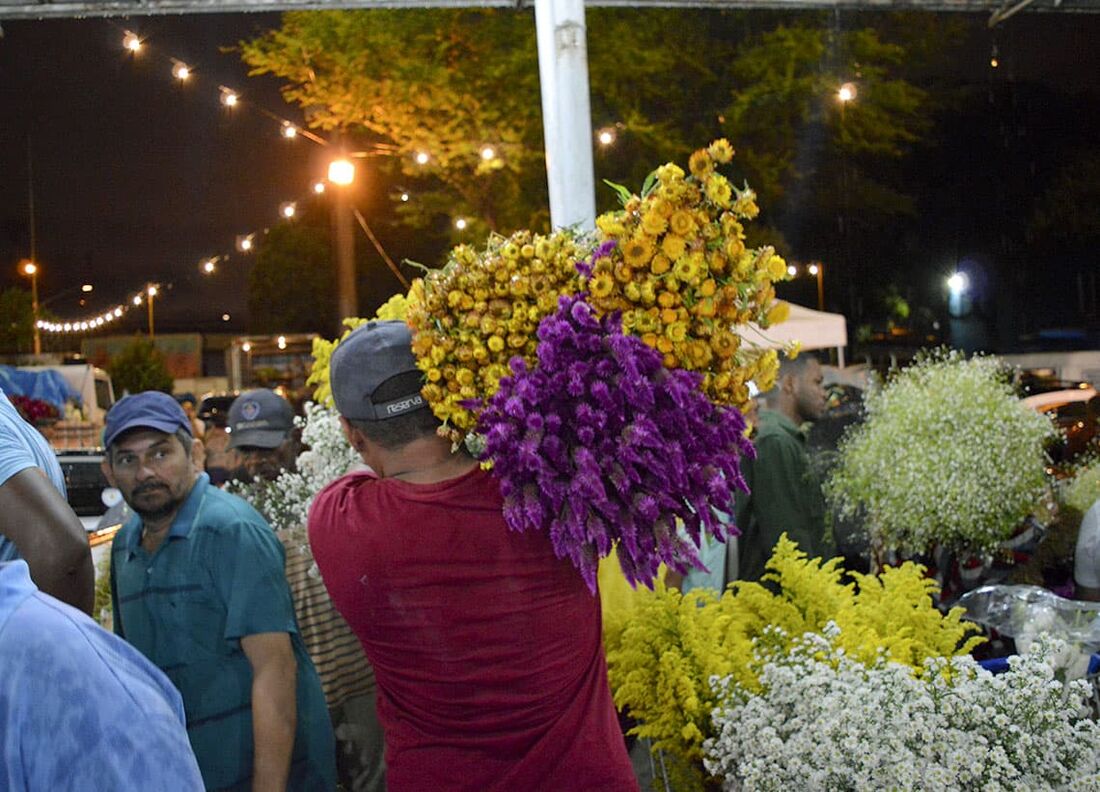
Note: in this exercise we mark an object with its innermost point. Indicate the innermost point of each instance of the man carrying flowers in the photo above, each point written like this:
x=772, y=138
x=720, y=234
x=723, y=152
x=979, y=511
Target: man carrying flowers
x=486, y=647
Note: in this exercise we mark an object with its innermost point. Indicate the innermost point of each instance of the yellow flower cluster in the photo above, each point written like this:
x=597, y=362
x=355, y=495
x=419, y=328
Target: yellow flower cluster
x=480, y=310
x=683, y=278
x=661, y=660
x=396, y=307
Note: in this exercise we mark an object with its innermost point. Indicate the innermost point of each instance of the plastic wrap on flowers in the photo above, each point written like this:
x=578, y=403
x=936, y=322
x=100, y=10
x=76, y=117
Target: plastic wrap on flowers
x=681, y=276
x=599, y=443
x=479, y=310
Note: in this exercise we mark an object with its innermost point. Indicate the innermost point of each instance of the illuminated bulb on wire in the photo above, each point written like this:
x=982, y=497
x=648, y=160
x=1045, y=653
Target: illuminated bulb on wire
x=812, y=269
x=137, y=299
x=422, y=158
x=288, y=209
x=246, y=347
x=152, y=291
x=282, y=342
x=318, y=187
x=404, y=197
x=68, y=327
x=792, y=270
x=118, y=311
x=225, y=317
x=229, y=98
x=209, y=266
x=846, y=93
x=488, y=153
x=131, y=42
x=289, y=130
x=180, y=70
x=244, y=243
x=461, y=224
x=606, y=137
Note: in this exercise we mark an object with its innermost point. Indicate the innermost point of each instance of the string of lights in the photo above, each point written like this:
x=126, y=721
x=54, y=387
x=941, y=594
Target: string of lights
x=92, y=323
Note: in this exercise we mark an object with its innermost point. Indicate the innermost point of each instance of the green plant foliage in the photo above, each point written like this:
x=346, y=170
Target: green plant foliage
x=947, y=456
x=16, y=320
x=140, y=366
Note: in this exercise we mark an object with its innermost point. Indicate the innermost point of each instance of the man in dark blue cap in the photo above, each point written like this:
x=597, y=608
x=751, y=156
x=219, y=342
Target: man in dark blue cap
x=197, y=585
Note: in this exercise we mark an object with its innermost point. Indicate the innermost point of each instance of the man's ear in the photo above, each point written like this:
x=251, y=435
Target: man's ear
x=787, y=383
x=354, y=436
x=108, y=471
x=198, y=455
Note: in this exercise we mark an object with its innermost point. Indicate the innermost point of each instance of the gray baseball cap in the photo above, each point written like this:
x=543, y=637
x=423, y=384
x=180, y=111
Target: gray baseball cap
x=373, y=354
x=259, y=418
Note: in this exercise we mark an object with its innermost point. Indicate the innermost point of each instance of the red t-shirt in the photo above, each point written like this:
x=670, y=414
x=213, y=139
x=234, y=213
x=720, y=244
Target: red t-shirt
x=486, y=648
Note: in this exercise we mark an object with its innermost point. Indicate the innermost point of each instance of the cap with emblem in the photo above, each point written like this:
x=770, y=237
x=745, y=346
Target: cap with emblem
x=370, y=357
x=259, y=418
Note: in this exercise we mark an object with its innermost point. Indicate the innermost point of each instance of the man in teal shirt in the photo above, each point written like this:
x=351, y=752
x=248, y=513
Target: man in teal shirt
x=784, y=491
x=198, y=586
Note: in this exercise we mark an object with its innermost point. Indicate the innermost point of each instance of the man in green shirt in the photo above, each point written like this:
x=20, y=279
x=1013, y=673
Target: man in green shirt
x=197, y=585
x=784, y=492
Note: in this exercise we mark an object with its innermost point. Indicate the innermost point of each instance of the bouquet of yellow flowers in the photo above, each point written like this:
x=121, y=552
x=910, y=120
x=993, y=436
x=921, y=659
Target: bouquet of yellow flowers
x=674, y=263
x=479, y=311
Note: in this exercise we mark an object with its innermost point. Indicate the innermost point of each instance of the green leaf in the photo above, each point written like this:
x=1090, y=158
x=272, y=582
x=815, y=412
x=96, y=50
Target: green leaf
x=649, y=184
x=624, y=194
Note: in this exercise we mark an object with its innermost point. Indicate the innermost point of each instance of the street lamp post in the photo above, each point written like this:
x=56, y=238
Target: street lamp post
x=818, y=271
x=30, y=269
x=341, y=172
x=151, y=292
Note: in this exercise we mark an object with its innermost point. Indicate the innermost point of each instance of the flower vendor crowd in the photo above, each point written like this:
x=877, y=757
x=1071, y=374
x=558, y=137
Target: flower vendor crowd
x=532, y=515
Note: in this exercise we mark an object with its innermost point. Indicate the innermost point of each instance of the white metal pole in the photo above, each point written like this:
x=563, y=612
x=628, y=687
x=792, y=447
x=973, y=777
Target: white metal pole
x=566, y=114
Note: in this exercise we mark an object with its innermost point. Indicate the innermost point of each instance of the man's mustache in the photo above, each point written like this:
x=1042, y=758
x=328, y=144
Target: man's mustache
x=141, y=489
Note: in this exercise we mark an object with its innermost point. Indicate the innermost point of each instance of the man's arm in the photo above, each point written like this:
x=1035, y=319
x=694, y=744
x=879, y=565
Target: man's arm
x=274, y=707
x=49, y=536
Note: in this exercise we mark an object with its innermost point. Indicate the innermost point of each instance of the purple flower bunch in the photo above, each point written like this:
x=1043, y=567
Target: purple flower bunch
x=599, y=443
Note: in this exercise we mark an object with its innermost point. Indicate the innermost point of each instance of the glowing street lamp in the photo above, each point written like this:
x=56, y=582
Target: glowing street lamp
x=30, y=269
x=958, y=284
x=151, y=291
x=341, y=172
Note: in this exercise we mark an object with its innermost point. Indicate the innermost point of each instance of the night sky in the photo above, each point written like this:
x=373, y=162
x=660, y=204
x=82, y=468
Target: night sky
x=138, y=178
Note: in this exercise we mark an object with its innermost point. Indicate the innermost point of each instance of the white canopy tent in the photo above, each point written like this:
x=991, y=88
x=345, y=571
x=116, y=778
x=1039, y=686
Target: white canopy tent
x=814, y=329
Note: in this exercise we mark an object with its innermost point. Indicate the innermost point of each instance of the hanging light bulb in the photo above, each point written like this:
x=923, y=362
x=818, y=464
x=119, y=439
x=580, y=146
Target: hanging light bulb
x=118, y=311
x=281, y=342
x=245, y=243
x=137, y=299
x=606, y=136
x=209, y=266
x=488, y=153
x=846, y=93
x=404, y=197
x=792, y=270
x=246, y=347
x=180, y=70
x=225, y=317
x=131, y=42
x=422, y=158
x=289, y=131
x=229, y=98
x=461, y=224
x=318, y=187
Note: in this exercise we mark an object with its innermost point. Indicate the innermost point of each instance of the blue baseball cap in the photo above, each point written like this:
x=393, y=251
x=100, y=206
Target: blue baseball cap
x=148, y=410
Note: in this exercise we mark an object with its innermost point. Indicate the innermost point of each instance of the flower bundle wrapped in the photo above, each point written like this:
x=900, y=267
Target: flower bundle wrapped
x=599, y=443
x=682, y=278
x=480, y=310
x=948, y=456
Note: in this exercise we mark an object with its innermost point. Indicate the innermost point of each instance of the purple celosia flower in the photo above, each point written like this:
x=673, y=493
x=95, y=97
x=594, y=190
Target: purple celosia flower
x=600, y=443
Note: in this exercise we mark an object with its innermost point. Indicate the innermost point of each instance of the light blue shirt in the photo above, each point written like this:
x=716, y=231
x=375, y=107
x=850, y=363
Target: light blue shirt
x=81, y=709
x=21, y=447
